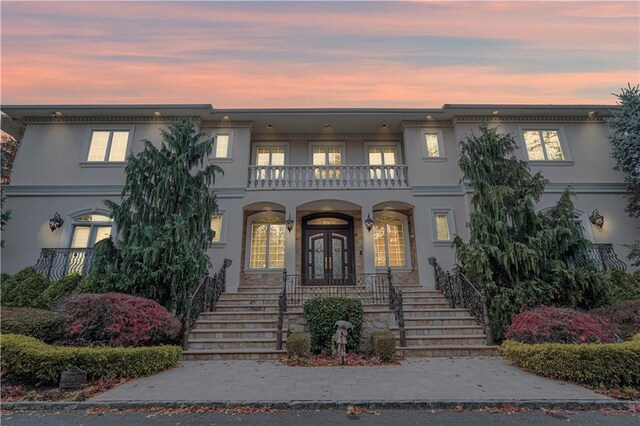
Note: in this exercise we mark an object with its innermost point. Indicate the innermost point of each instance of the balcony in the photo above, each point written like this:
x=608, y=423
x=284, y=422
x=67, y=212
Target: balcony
x=327, y=177
x=603, y=257
x=55, y=263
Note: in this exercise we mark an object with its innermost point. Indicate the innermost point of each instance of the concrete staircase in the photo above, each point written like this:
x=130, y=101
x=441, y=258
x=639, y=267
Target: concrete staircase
x=244, y=326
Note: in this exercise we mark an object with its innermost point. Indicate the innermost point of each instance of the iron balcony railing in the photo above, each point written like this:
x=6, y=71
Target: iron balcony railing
x=327, y=177
x=55, y=263
x=603, y=256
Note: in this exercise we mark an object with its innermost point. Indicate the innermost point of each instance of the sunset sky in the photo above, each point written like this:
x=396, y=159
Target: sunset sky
x=308, y=54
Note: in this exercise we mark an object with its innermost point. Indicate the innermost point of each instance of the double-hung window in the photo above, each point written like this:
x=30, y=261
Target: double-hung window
x=267, y=243
x=442, y=225
x=222, y=145
x=432, y=145
x=216, y=227
x=108, y=145
x=382, y=156
x=543, y=145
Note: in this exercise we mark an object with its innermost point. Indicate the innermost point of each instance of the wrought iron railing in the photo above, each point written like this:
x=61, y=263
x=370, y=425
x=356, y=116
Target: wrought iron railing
x=370, y=289
x=204, y=298
x=461, y=293
x=327, y=177
x=55, y=263
x=602, y=256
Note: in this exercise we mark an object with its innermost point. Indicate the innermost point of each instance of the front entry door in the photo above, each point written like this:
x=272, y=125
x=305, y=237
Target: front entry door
x=328, y=255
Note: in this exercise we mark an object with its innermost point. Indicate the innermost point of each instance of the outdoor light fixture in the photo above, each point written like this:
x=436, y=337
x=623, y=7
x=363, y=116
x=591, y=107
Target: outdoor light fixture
x=592, y=115
x=368, y=223
x=596, y=218
x=289, y=223
x=55, y=222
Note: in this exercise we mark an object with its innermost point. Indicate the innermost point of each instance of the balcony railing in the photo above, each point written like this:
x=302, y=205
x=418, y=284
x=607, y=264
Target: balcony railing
x=327, y=177
x=603, y=257
x=55, y=263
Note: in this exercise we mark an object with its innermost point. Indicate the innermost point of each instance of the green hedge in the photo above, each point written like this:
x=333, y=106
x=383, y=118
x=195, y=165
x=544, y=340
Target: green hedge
x=37, y=362
x=65, y=286
x=24, y=288
x=299, y=344
x=322, y=313
x=38, y=323
x=611, y=365
x=383, y=344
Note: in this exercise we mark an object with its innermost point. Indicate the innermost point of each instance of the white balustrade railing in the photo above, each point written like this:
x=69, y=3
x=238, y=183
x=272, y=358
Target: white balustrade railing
x=327, y=177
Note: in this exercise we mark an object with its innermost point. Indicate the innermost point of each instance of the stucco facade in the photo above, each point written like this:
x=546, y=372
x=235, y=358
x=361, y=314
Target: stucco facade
x=51, y=174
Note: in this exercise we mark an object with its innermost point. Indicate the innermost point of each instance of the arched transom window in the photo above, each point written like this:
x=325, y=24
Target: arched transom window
x=267, y=233
x=389, y=240
x=89, y=229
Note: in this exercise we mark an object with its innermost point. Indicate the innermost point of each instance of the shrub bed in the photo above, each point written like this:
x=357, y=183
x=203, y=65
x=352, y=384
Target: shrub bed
x=116, y=319
x=384, y=345
x=560, y=325
x=322, y=313
x=24, y=288
x=625, y=315
x=299, y=344
x=38, y=323
x=34, y=361
x=65, y=286
x=610, y=365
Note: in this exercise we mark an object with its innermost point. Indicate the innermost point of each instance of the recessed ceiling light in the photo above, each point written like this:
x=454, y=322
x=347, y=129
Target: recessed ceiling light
x=429, y=117
x=226, y=117
x=592, y=114
x=269, y=125
x=327, y=125
x=56, y=114
x=384, y=124
x=496, y=112
x=156, y=113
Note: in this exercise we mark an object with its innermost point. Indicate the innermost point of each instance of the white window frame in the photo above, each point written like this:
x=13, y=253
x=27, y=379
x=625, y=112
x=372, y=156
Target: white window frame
x=71, y=220
x=343, y=151
x=223, y=230
x=405, y=237
x=564, y=146
x=84, y=162
x=247, y=252
x=450, y=223
x=367, y=145
x=423, y=142
x=214, y=135
x=254, y=153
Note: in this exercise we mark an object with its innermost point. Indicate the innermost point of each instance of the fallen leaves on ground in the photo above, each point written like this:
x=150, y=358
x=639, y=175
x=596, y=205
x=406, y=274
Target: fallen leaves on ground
x=351, y=360
x=192, y=409
x=509, y=409
x=13, y=392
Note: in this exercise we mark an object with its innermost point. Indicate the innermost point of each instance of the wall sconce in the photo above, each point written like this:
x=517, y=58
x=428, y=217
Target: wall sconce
x=55, y=222
x=289, y=223
x=368, y=223
x=596, y=218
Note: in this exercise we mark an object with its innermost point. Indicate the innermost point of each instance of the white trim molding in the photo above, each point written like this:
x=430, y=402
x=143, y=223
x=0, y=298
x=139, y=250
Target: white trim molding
x=442, y=155
x=451, y=225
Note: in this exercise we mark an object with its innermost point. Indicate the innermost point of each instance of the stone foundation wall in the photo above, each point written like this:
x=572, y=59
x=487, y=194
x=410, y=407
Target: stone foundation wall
x=372, y=321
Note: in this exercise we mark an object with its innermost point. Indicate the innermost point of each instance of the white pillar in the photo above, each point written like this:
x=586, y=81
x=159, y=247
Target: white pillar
x=421, y=224
x=368, y=257
x=290, y=241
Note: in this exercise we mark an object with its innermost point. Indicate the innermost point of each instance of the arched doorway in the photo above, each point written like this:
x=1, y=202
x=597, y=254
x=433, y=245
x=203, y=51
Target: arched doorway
x=328, y=249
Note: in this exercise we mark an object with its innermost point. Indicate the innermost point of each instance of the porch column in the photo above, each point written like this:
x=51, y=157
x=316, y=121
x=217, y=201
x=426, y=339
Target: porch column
x=290, y=241
x=367, y=241
x=421, y=224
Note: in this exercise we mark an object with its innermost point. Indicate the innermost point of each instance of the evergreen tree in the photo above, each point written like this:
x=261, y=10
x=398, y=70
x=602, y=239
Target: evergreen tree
x=624, y=126
x=5, y=214
x=517, y=256
x=164, y=217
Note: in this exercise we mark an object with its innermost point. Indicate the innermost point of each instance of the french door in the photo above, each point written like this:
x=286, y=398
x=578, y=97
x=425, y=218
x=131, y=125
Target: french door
x=328, y=256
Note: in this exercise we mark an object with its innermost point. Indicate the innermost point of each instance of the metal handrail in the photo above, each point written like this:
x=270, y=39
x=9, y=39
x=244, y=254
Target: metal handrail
x=461, y=293
x=204, y=298
x=55, y=263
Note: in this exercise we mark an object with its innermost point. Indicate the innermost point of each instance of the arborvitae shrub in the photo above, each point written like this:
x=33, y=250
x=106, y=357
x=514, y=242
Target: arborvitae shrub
x=322, y=313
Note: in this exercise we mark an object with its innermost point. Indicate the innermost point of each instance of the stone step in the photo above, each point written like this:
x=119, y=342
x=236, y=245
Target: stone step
x=261, y=289
x=249, y=295
x=428, y=305
x=234, y=333
x=408, y=299
x=431, y=313
x=420, y=291
x=438, y=321
x=229, y=354
x=449, y=351
x=216, y=324
x=236, y=307
x=249, y=343
x=440, y=330
x=461, y=340
x=239, y=315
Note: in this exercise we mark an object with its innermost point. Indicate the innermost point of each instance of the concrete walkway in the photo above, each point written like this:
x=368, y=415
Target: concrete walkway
x=469, y=379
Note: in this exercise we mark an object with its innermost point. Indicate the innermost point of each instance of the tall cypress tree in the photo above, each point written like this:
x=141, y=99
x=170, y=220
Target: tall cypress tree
x=164, y=217
x=518, y=256
x=625, y=140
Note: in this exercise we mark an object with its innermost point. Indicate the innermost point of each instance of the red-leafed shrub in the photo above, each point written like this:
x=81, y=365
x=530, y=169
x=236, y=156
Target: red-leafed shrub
x=625, y=315
x=116, y=319
x=560, y=325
